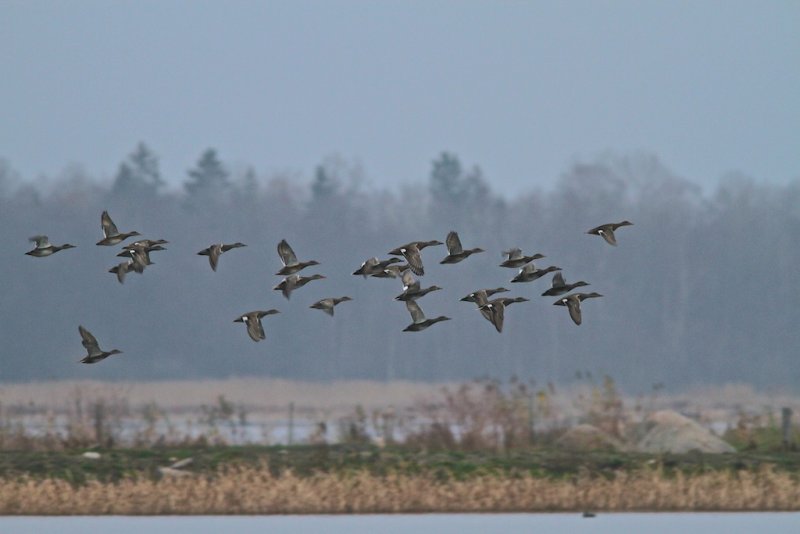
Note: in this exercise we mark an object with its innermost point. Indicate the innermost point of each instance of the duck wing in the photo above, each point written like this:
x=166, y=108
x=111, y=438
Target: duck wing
x=417, y=316
x=453, y=244
x=608, y=234
x=254, y=328
x=41, y=241
x=574, y=307
x=286, y=253
x=558, y=280
x=108, y=226
x=513, y=253
x=409, y=283
x=89, y=341
x=213, y=256
x=414, y=259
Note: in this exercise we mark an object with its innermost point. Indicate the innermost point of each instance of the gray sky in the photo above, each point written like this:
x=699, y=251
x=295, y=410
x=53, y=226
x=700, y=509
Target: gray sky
x=521, y=88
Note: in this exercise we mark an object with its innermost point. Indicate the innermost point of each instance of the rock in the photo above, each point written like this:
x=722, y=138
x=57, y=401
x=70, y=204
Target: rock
x=669, y=431
x=588, y=438
x=92, y=455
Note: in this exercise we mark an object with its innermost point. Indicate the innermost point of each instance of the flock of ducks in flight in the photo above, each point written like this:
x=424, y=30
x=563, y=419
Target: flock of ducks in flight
x=137, y=256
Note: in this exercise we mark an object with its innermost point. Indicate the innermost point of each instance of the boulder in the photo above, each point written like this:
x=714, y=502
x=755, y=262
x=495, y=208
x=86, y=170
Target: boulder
x=587, y=438
x=669, y=431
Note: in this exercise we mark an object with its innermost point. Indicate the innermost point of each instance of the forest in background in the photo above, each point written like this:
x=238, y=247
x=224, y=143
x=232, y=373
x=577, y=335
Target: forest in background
x=703, y=289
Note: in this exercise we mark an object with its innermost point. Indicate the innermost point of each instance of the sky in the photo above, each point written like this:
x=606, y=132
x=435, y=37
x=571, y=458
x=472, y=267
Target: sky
x=523, y=89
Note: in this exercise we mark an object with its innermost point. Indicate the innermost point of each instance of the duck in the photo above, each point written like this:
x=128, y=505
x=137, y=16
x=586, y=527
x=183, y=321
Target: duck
x=214, y=251
x=44, y=248
x=328, y=304
x=373, y=266
x=112, y=236
x=140, y=254
x=455, y=252
x=94, y=353
x=411, y=252
x=253, y=322
x=573, y=304
x=606, y=231
x=419, y=322
x=517, y=259
x=529, y=273
x=289, y=260
x=122, y=269
x=482, y=295
x=149, y=243
x=560, y=287
x=494, y=310
x=293, y=281
x=392, y=271
x=412, y=289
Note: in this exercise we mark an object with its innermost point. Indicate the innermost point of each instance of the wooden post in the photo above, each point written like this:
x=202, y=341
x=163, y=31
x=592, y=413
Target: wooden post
x=786, y=427
x=290, y=439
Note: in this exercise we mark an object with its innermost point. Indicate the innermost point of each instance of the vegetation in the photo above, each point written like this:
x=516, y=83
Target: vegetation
x=258, y=490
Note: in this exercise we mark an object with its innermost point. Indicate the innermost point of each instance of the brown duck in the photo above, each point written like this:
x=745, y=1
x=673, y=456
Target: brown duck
x=560, y=287
x=517, y=259
x=293, y=281
x=93, y=350
x=573, y=304
x=419, y=322
x=327, y=305
x=455, y=252
x=215, y=251
x=290, y=263
x=112, y=236
x=606, y=231
x=411, y=252
x=253, y=322
x=44, y=248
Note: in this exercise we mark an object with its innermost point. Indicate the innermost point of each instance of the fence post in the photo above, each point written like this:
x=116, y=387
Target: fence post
x=291, y=423
x=786, y=427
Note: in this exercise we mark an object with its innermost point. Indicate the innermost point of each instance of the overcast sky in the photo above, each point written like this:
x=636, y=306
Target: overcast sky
x=521, y=88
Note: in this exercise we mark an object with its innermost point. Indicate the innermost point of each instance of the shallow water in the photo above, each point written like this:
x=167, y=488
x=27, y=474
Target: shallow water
x=663, y=523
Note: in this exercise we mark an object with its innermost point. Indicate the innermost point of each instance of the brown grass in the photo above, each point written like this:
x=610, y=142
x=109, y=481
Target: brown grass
x=256, y=491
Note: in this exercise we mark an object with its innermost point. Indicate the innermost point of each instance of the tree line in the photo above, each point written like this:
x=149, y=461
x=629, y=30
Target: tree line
x=702, y=289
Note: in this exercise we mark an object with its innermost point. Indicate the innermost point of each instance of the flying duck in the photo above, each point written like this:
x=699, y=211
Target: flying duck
x=455, y=252
x=573, y=304
x=482, y=295
x=606, y=231
x=253, y=322
x=529, y=273
x=560, y=286
x=293, y=281
x=93, y=352
x=373, y=266
x=44, y=248
x=494, y=310
x=112, y=236
x=328, y=304
x=392, y=271
x=123, y=268
x=412, y=289
x=419, y=322
x=289, y=260
x=517, y=259
x=214, y=251
x=411, y=252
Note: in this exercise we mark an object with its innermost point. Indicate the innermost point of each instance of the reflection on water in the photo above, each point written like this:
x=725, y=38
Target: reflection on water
x=664, y=523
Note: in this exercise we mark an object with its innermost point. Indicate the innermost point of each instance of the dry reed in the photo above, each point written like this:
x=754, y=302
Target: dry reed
x=248, y=490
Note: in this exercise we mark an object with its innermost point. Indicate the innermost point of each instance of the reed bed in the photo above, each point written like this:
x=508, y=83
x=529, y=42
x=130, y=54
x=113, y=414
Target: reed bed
x=255, y=490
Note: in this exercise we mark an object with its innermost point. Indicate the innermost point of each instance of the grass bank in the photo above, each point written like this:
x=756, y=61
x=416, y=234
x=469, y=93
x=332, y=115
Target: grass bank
x=368, y=479
x=252, y=490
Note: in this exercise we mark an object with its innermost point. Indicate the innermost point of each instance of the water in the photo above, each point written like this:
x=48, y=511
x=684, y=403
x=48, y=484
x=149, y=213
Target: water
x=663, y=523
